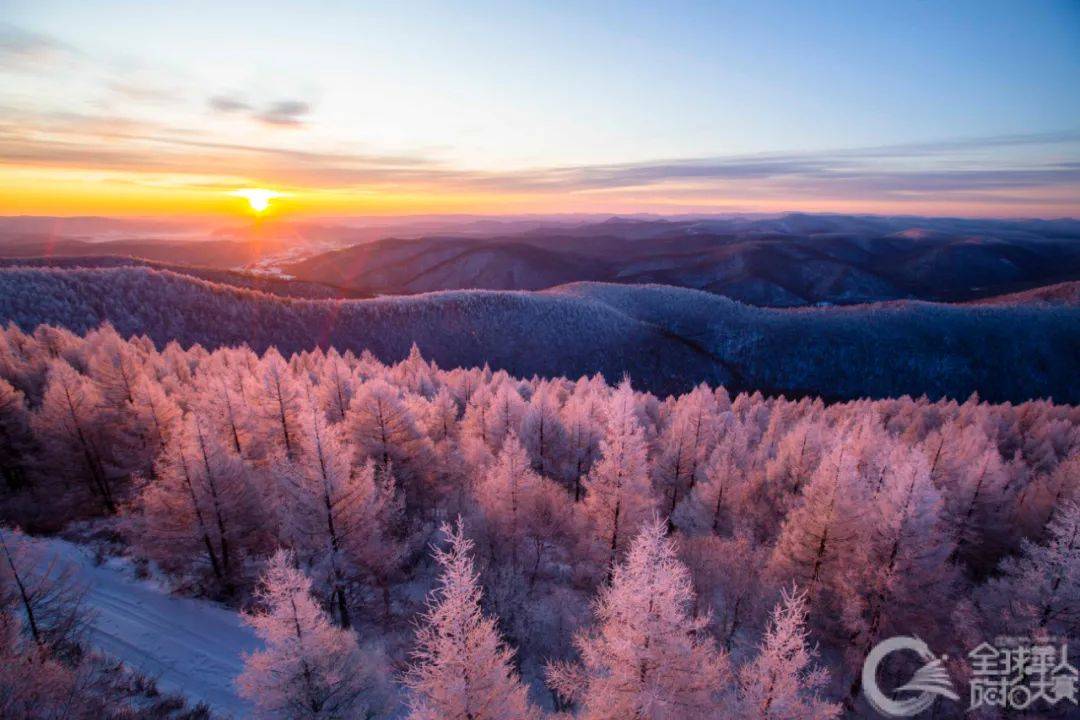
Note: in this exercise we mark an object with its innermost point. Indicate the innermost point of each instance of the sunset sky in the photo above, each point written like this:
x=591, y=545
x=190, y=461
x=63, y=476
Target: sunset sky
x=356, y=108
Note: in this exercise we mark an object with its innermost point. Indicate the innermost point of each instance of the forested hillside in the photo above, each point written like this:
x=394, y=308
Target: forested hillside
x=668, y=339
x=793, y=260
x=583, y=546
x=270, y=284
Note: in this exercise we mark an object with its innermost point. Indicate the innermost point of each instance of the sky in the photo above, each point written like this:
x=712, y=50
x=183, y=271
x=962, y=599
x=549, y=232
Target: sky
x=146, y=108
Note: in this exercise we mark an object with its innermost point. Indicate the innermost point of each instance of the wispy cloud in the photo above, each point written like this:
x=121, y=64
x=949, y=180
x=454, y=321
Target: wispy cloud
x=24, y=50
x=286, y=113
x=227, y=103
x=290, y=113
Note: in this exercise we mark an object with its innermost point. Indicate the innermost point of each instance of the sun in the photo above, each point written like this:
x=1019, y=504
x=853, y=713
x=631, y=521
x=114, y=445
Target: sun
x=258, y=198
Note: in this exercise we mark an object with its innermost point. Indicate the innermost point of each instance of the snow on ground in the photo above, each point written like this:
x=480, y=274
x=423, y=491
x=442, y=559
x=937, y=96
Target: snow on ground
x=190, y=646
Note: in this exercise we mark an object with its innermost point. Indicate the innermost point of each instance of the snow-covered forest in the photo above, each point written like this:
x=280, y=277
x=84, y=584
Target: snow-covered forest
x=412, y=541
x=669, y=339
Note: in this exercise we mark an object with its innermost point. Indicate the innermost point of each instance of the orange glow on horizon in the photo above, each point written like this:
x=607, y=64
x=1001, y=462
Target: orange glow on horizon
x=65, y=192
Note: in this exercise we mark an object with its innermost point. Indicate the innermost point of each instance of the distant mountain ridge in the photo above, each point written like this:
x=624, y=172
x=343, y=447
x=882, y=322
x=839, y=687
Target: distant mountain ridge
x=667, y=338
x=792, y=261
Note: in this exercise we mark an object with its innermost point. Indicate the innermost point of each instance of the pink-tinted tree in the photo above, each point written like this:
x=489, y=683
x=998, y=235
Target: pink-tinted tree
x=1039, y=591
x=309, y=669
x=618, y=494
x=647, y=656
x=72, y=427
x=201, y=506
x=783, y=682
x=461, y=669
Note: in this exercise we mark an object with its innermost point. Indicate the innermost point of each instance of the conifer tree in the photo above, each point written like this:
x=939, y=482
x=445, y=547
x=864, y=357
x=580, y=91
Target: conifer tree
x=782, y=682
x=618, y=495
x=648, y=656
x=461, y=669
x=309, y=669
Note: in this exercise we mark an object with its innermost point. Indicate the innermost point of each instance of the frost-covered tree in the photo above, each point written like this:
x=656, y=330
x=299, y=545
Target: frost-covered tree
x=783, y=682
x=278, y=396
x=43, y=591
x=439, y=418
x=711, y=505
x=648, y=656
x=1039, y=591
x=543, y=433
x=505, y=497
x=685, y=445
x=461, y=669
x=337, y=385
x=903, y=559
x=584, y=433
x=974, y=506
x=220, y=395
x=618, y=495
x=201, y=507
x=309, y=669
x=380, y=426
x=114, y=365
x=334, y=514
x=728, y=578
x=504, y=415
x=73, y=428
x=818, y=535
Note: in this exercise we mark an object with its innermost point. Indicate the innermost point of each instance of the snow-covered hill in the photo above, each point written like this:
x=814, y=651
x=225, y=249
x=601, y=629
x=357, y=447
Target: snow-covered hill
x=668, y=339
x=795, y=260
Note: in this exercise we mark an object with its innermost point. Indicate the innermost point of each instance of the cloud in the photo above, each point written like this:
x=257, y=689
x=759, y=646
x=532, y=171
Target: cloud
x=287, y=113
x=140, y=92
x=24, y=50
x=282, y=113
x=227, y=104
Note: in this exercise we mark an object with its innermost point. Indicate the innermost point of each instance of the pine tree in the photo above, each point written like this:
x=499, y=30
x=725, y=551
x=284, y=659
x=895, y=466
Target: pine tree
x=72, y=428
x=201, y=503
x=543, y=433
x=583, y=439
x=309, y=669
x=334, y=515
x=379, y=425
x=781, y=683
x=685, y=446
x=648, y=656
x=1039, y=591
x=618, y=495
x=461, y=670
x=505, y=494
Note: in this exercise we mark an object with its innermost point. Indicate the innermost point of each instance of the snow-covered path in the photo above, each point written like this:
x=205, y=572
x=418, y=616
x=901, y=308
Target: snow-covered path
x=190, y=646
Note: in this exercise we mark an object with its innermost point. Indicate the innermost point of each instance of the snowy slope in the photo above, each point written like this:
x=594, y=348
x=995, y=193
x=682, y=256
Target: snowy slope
x=190, y=646
x=668, y=339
